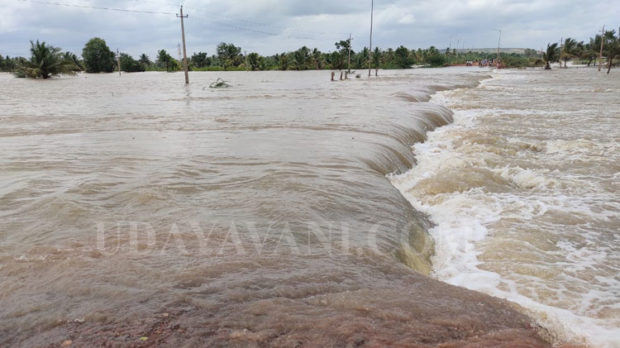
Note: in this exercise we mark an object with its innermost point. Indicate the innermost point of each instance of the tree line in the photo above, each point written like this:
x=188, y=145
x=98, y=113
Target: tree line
x=47, y=61
x=584, y=52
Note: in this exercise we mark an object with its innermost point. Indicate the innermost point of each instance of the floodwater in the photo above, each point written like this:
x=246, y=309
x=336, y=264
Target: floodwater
x=135, y=210
x=523, y=187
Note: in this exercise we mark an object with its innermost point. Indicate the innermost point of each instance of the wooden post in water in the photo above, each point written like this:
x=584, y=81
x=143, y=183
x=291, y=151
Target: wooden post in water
x=561, y=49
x=185, y=66
x=600, y=54
x=349, y=63
x=372, y=9
x=498, y=43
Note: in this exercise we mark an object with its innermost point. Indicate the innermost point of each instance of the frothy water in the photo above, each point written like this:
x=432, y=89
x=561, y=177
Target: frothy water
x=523, y=189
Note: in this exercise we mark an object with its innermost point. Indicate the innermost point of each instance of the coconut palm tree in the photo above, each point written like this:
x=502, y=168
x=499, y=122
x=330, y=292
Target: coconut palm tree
x=45, y=62
x=612, y=47
x=551, y=55
x=376, y=60
x=145, y=61
x=76, y=61
x=569, y=50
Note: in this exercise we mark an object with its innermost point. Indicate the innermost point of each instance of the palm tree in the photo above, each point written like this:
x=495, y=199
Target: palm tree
x=376, y=60
x=569, y=50
x=164, y=60
x=73, y=58
x=145, y=61
x=45, y=62
x=551, y=55
x=589, y=53
x=612, y=47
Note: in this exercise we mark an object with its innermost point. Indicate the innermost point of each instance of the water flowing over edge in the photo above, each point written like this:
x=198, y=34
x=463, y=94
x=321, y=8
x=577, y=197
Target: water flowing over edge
x=455, y=237
x=338, y=287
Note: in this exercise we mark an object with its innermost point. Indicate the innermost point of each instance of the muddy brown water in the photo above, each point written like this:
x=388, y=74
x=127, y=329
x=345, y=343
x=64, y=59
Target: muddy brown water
x=260, y=214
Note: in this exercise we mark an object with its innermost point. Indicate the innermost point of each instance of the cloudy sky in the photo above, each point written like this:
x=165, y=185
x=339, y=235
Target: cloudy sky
x=272, y=26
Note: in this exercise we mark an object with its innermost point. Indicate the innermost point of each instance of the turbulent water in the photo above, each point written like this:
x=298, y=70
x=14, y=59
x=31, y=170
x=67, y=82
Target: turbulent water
x=134, y=208
x=523, y=188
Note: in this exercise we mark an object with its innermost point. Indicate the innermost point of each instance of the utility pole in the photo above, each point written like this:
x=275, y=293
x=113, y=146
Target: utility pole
x=498, y=43
x=118, y=61
x=600, y=55
x=372, y=10
x=349, y=64
x=185, y=67
x=561, y=49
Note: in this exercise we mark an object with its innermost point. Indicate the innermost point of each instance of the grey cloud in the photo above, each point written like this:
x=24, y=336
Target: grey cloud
x=272, y=26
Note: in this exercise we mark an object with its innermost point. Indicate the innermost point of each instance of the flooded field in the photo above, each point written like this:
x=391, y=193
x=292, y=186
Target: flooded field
x=135, y=210
x=524, y=189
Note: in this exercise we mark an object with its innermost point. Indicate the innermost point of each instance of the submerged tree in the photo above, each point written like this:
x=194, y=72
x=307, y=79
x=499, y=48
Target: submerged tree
x=97, y=56
x=302, y=58
x=612, y=47
x=376, y=60
x=145, y=61
x=229, y=55
x=433, y=57
x=164, y=60
x=255, y=61
x=339, y=59
x=318, y=61
x=590, y=52
x=200, y=60
x=401, y=57
x=569, y=50
x=45, y=62
x=73, y=58
x=128, y=64
x=551, y=55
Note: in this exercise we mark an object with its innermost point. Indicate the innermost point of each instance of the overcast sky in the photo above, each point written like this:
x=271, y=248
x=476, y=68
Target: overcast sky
x=272, y=26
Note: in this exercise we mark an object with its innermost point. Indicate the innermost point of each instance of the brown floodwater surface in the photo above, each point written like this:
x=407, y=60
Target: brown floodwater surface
x=523, y=188
x=259, y=214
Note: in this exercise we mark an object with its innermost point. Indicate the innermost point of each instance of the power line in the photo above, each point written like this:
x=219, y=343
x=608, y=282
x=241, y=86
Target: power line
x=264, y=32
x=232, y=26
x=55, y=3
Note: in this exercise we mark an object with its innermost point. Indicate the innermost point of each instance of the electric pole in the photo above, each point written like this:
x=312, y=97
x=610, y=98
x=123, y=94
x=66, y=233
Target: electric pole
x=118, y=61
x=561, y=49
x=498, y=43
x=349, y=64
x=372, y=9
x=185, y=67
x=600, y=55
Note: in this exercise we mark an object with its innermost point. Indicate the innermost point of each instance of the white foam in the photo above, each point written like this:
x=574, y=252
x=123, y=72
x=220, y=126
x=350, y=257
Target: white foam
x=462, y=220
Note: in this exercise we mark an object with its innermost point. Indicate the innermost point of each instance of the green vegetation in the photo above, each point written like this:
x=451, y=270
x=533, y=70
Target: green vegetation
x=586, y=53
x=219, y=83
x=9, y=64
x=551, y=55
x=255, y=61
x=571, y=49
x=45, y=62
x=200, y=60
x=612, y=42
x=97, y=56
x=145, y=61
x=128, y=64
x=166, y=62
x=229, y=55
